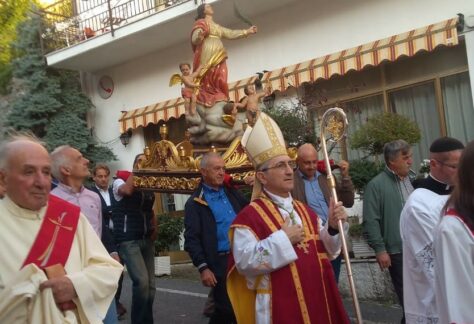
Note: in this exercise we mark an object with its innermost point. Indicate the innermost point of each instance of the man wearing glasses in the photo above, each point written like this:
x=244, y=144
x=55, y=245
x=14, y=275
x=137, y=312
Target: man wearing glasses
x=444, y=157
x=208, y=215
x=418, y=220
x=279, y=271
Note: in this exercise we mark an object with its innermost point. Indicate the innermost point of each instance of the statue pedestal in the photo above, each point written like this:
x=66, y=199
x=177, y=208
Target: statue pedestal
x=169, y=169
x=208, y=126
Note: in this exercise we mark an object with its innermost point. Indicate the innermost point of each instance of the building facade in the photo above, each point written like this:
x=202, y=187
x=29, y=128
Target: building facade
x=135, y=47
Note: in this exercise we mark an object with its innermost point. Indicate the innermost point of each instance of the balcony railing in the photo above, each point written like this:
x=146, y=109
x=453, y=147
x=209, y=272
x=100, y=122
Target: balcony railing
x=69, y=22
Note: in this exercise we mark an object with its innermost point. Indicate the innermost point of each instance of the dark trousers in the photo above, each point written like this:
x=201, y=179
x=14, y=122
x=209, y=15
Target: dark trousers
x=336, y=266
x=223, y=313
x=119, y=289
x=396, y=273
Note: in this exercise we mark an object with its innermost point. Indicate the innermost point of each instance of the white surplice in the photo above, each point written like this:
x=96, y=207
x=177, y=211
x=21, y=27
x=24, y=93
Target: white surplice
x=254, y=258
x=418, y=220
x=92, y=271
x=454, y=283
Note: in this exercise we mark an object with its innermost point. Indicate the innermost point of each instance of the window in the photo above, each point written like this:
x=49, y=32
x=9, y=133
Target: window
x=418, y=103
x=358, y=112
x=458, y=107
x=168, y=202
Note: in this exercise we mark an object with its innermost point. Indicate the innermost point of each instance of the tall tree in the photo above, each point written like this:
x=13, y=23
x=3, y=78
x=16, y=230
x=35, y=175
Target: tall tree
x=52, y=104
x=12, y=12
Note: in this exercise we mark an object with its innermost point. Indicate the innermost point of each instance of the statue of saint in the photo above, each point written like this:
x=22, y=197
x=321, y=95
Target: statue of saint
x=210, y=55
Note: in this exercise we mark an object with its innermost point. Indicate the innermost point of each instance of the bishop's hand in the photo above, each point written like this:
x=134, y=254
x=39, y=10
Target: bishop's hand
x=294, y=232
x=336, y=212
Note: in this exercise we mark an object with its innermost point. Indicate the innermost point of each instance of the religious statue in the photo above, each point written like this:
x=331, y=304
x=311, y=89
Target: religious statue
x=212, y=123
x=210, y=55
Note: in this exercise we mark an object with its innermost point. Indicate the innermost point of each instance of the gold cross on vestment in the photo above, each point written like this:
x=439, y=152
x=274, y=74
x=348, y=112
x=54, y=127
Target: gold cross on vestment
x=58, y=222
x=49, y=249
x=304, y=245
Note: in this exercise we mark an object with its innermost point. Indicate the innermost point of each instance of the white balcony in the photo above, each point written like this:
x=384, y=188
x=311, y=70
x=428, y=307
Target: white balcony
x=149, y=29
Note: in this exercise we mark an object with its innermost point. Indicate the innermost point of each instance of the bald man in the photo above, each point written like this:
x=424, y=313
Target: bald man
x=311, y=187
x=54, y=268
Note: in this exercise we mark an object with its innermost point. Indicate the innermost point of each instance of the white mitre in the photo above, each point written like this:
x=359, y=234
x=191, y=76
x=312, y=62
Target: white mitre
x=263, y=142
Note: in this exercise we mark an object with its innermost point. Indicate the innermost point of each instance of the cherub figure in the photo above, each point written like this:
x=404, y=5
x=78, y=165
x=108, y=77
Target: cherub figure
x=188, y=92
x=230, y=113
x=251, y=102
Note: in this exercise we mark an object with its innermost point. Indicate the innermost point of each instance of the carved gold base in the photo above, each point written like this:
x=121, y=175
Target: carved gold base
x=175, y=168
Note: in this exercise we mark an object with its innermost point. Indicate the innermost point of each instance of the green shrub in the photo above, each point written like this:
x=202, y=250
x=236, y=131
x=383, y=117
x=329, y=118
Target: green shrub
x=362, y=171
x=384, y=128
x=356, y=230
x=170, y=228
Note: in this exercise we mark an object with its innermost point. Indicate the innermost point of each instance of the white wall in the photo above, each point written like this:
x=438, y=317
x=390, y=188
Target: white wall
x=304, y=31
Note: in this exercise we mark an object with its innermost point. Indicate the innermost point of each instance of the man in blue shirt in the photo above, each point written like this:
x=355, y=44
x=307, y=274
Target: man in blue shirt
x=311, y=187
x=209, y=212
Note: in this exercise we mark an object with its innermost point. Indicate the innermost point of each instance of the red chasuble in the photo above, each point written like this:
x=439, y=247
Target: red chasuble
x=54, y=239
x=304, y=291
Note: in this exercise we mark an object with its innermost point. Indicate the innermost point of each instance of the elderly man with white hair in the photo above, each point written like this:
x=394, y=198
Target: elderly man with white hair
x=54, y=268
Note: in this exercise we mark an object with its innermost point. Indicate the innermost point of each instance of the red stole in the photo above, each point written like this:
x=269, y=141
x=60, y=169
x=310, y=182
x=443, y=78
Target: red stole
x=454, y=213
x=54, y=239
x=305, y=291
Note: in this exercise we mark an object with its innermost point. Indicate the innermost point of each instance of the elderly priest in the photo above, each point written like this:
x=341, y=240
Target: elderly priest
x=54, y=268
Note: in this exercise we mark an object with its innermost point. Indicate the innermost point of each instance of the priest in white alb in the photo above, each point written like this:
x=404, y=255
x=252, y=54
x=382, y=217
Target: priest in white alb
x=454, y=248
x=280, y=270
x=54, y=268
x=419, y=218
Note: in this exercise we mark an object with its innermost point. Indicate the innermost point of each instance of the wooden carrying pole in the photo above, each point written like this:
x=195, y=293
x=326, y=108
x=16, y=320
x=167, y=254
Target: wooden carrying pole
x=334, y=122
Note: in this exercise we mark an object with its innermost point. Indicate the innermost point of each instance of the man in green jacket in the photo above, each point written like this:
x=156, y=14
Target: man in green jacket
x=384, y=199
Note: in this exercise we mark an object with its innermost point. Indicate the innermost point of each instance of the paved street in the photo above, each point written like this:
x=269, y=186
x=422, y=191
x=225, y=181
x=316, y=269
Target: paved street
x=180, y=298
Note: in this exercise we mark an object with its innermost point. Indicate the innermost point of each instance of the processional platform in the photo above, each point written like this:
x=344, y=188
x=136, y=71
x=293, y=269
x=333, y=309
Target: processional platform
x=171, y=168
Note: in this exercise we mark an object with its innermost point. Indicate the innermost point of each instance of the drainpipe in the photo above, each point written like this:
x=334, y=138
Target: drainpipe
x=110, y=18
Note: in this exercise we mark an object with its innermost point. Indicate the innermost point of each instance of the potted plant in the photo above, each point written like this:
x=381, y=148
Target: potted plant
x=170, y=227
x=362, y=171
x=383, y=128
x=360, y=247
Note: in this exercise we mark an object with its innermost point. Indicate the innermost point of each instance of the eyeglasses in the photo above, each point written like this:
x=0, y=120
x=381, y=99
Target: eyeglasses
x=451, y=166
x=283, y=165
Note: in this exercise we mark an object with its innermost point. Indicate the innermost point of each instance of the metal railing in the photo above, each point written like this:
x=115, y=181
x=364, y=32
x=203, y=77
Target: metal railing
x=69, y=22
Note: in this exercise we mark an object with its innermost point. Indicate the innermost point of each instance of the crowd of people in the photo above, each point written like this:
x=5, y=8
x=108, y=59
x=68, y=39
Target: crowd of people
x=273, y=259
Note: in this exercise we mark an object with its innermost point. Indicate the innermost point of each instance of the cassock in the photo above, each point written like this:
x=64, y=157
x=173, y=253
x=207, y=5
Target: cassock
x=432, y=184
x=272, y=281
x=92, y=271
x=454, y=283
x=419, y=218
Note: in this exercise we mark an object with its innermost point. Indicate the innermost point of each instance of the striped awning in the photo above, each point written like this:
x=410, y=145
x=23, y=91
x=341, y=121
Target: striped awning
x=388, y=49
x=151, y=114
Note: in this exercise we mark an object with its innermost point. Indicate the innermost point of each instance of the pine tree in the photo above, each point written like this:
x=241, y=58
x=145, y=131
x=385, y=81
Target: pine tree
x=52, y=105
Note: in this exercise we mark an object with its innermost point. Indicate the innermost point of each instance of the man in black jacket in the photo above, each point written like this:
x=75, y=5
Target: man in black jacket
x=101, y=176
x=209, y=212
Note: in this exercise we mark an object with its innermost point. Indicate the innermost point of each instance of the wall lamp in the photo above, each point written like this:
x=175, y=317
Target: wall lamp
x=125, y=137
